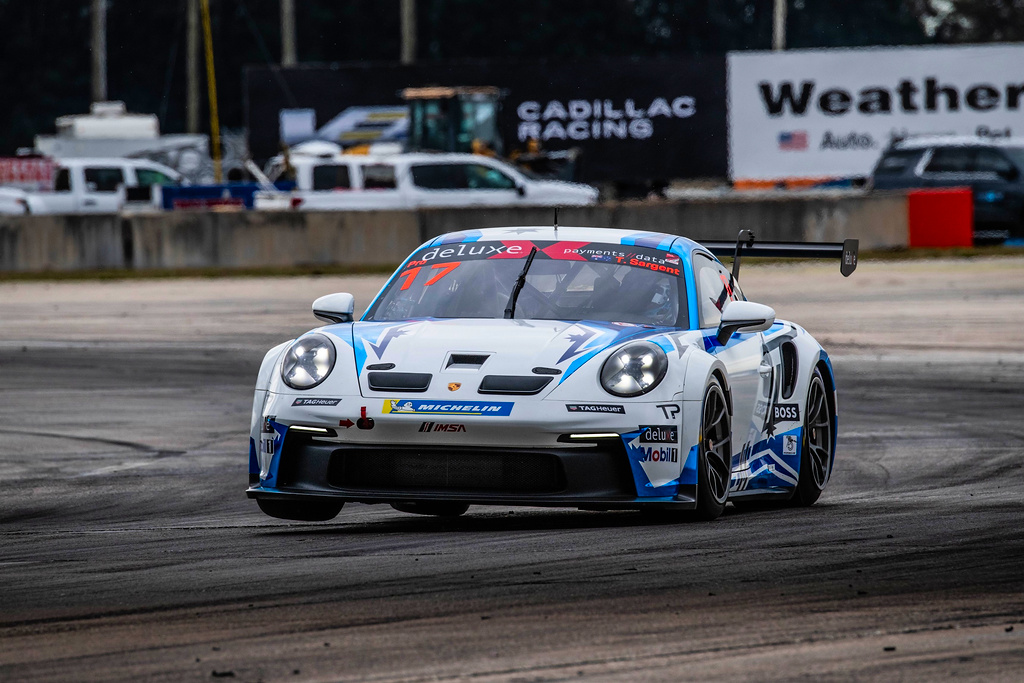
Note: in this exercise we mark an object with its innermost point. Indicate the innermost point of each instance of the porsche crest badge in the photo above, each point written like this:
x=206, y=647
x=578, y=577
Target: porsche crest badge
x=454, y=386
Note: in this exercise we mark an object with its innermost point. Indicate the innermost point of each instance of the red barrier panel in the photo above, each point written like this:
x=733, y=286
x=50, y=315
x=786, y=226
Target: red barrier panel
x=941, y=218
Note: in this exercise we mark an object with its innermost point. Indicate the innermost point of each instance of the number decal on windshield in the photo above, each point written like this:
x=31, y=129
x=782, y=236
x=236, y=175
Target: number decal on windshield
x=448, y=267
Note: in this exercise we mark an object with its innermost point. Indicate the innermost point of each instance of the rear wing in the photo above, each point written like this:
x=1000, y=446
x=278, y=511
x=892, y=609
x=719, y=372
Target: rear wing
x=845, y=251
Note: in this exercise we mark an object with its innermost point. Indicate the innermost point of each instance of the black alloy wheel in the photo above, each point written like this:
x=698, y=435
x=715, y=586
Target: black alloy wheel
x=816, y=456
x=714, y=465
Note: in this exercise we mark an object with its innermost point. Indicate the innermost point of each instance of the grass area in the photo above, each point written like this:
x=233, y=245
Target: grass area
x=320, y=269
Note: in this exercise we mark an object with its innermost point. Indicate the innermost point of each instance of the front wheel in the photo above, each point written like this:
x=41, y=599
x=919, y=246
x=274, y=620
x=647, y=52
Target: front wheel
x=714, y=469
x=816, y=455
x=301, y=510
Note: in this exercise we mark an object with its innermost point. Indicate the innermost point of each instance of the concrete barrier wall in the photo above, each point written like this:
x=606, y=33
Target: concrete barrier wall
x=380, y=238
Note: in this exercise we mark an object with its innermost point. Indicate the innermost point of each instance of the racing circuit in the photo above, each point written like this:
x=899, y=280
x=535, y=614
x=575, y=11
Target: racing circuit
x=129, y=550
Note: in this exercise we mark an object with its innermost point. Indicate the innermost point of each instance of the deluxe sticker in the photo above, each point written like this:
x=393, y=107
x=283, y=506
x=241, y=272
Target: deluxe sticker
x=659, y=434
x=594, y=408
x=316, y=401
x=404, y=406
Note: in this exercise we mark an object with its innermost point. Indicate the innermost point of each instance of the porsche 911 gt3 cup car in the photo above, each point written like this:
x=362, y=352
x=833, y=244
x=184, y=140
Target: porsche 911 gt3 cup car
x=583, y=367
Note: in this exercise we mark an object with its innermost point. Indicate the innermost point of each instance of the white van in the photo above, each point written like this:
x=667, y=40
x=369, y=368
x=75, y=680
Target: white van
x=333, y=181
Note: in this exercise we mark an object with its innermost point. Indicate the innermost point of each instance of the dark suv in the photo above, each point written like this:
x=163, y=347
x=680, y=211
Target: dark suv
x=993, y=169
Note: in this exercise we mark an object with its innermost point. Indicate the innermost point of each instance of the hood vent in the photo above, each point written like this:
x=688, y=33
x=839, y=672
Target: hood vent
x=413, y=382
x=513, y=384
x=466, y=361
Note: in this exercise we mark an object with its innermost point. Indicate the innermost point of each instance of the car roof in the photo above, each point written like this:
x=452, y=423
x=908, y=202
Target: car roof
x=675, y=243
x=116, y=161
x=405, y=157
x=923, y=141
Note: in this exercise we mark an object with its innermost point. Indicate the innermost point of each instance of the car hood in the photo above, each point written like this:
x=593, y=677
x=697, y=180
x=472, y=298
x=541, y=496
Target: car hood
x=495, y=347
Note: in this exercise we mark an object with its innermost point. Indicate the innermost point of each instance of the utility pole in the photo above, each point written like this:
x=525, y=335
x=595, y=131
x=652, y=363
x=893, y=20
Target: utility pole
x=99, y=50
x=288, y=56
x=192, y=67
x=779, y=25
x=211, y=86
x=408, y=31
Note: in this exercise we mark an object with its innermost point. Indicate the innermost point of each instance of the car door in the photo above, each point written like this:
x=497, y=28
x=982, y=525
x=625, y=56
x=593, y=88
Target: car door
x=99, y=192
x=461, y=184
x=744, y=356
x=62, y=199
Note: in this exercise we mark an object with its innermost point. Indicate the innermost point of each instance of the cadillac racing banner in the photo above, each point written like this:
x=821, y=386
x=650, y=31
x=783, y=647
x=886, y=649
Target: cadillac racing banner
x=632, y=119
x=830, y=113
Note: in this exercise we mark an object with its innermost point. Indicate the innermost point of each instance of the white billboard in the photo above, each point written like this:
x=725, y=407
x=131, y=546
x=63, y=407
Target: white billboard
x=830, y=113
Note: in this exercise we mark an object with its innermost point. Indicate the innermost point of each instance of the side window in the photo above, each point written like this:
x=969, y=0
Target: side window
x=480, y=177
x=438, y=177
x=993, y=161
x=898, y=161
x=379, y=177
x=714, y=289
x=951, y=160
x=104, y=179
x=147, y=177
x=62, y=180
x=331, y=177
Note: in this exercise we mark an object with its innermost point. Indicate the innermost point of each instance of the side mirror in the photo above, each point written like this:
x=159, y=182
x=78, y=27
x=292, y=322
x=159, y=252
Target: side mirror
x=335, y=308
x=744, y=316
x=520, y=190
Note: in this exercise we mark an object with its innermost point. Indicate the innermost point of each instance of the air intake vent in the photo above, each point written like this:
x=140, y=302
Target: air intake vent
x=466, y=361
x=513, y=384
x=398, y=381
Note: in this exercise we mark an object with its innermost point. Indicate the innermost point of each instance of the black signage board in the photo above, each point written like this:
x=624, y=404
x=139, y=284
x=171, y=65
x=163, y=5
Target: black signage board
x=632, y=119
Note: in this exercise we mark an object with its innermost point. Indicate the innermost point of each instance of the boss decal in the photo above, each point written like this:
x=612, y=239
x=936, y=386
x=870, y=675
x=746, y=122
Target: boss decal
x=594, y=408
x=659, y=434
x=786, y=412
x=316, y=401
x=441, y=427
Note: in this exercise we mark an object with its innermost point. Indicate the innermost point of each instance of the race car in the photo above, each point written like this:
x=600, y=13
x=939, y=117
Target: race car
x=591, y=368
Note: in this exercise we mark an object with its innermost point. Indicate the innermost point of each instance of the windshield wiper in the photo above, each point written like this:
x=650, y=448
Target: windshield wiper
x=510, y=307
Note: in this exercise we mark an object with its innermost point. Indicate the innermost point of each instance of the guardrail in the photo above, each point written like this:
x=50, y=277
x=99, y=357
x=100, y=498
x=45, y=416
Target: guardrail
x=251, y=239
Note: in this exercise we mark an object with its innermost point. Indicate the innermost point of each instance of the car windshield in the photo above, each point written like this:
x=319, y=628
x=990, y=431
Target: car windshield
x=1017, y=155
x=566, y=281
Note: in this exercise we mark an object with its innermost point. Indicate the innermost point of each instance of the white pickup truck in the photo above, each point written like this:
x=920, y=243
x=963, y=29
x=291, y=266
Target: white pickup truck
x=328, y=180
x=90, y=185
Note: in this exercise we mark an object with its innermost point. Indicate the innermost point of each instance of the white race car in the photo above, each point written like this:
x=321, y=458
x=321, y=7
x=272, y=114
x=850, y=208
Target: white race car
x=573, y=367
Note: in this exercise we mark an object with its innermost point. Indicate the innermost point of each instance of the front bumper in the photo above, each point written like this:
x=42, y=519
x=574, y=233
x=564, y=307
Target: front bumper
x=524, y=458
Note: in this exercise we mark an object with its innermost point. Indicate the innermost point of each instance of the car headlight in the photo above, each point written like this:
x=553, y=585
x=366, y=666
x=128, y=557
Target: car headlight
x=308, y=362
x=634, y=369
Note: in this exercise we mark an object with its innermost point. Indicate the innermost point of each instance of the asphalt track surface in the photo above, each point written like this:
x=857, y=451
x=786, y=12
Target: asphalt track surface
x=128, y=550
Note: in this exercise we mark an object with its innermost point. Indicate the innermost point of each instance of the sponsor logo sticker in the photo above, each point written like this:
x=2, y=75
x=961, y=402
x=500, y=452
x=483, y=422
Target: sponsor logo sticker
x=669, y=410
x=659, y=434
x=316, y=401
x=441, y=427
x=594, y=408
x=786, y=412
x=789, y=443
x=659, y=454
x=407, y=407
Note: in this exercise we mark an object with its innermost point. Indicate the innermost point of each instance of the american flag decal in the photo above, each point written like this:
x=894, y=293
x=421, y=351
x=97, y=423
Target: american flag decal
x=793, y=140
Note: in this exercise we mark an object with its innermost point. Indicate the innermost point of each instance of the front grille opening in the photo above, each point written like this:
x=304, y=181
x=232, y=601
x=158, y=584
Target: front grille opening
x=457, y=471
x=513, y=384
x=414, y=382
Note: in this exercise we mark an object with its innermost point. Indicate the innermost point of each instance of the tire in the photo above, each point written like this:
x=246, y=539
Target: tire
x=437, y=509
x=303, y=511
x=714, y=456
x=816, y=449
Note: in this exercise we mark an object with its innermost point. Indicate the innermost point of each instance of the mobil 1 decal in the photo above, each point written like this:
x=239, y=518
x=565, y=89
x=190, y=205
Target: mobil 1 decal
x=432, y=264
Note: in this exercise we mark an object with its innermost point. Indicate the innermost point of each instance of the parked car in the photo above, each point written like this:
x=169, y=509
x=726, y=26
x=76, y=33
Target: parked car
x=331, y=180
x=992, y=168
x=95, y=185
x=566, y=367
